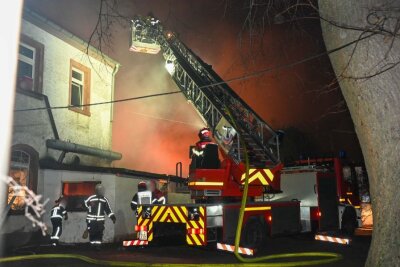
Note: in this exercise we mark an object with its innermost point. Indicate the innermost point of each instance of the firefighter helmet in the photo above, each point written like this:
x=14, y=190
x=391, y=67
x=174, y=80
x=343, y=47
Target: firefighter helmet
x=142, y=186
x=99, y=189
x=205, y=133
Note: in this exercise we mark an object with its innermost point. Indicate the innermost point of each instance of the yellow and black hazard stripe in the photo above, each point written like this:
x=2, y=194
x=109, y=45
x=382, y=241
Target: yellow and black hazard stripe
x=199, y=238
x=263, y=176
x=175, y=214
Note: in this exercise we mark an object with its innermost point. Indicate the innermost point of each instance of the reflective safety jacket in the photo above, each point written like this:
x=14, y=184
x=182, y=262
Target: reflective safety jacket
x=141, y=198
x=58, y=212
x=98, y=207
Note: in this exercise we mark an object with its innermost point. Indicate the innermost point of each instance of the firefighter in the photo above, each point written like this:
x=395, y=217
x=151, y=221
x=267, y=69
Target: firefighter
x=57, y=214
x=157, y=195
x=97, y=206
x=198, y=152
x=205, y=139
x=143, y=196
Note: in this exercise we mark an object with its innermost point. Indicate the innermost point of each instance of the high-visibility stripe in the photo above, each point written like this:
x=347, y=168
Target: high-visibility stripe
x=269, y=174
x=189, y=240
x=201, y=211
x=196, y=240
x=159, y=213
x=257, y=208
x=229, y=248
x=176, y=214
x=344, y=241
x=260, y=175
x=206, y=183
x=130, y=243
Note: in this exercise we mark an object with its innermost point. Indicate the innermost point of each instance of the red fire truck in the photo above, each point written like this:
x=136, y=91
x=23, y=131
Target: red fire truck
x=216, y=187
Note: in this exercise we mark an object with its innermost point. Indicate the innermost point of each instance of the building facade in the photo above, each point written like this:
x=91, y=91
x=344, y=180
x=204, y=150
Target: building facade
x=58, y=76
x=62, y=145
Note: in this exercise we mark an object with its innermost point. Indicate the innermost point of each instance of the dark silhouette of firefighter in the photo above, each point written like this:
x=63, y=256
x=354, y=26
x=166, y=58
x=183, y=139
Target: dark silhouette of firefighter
x=205, y=153
x=97, y=206
x=156, y=194
x=57, y=214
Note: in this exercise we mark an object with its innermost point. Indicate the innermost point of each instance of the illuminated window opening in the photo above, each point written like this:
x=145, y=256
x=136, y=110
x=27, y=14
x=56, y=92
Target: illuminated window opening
x=75, y=194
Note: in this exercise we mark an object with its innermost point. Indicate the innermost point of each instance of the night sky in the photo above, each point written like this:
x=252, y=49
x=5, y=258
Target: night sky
x=154, y=134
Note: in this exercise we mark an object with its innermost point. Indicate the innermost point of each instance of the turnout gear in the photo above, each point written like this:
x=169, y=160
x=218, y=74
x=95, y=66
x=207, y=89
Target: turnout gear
x=97, y=206
x=57, y=214
x=99, y=189
x=143, y=196
x=157, y=195
x=205, y=139
x=205, y=153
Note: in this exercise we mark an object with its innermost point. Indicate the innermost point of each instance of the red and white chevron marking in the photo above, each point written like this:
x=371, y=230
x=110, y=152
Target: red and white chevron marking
x=130, y=243
x=229, y=248
x=344, y=241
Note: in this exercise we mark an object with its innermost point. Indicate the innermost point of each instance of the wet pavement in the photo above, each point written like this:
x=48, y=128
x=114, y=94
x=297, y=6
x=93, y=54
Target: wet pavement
x=353, y=255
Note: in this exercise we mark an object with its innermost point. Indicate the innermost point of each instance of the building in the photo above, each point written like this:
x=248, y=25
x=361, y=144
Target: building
x=62, y=145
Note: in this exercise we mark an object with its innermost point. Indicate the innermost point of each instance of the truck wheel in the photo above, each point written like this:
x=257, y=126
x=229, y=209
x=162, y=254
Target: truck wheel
x=349, y=221
x=254, y=233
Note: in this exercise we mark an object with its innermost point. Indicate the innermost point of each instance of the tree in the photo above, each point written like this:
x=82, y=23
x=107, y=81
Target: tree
x=369, y=81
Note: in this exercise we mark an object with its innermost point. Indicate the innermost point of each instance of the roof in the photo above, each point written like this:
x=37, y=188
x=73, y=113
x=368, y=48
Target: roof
x=68, y=37
x=122, y=172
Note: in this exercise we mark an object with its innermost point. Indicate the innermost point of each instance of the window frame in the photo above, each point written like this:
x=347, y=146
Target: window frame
x=27, y=60
x=33, y=168
x=79, y=197
x=76, y=66
x=38, y=60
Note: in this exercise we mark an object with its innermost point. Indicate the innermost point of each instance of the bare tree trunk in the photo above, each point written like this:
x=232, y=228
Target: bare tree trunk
x=370, y=83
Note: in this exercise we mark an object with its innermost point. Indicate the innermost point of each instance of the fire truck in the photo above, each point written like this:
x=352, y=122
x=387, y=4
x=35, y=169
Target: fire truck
x=216, y=187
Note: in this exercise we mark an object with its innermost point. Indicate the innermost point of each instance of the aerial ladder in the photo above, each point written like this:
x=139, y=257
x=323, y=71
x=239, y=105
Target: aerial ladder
x=241, y=134
x=235, y=125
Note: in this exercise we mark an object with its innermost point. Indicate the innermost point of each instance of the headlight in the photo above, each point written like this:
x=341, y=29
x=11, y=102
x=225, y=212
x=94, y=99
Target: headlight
x=193, y=214
x=146, y=214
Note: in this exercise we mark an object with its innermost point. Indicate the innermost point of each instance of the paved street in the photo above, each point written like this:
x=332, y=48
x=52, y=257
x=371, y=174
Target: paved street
x=353, y=255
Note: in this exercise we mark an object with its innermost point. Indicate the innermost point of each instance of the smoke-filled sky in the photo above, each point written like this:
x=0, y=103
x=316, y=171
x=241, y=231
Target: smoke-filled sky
x=153, y=134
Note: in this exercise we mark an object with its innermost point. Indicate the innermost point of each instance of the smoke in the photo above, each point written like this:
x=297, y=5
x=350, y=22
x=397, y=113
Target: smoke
x=285, y=98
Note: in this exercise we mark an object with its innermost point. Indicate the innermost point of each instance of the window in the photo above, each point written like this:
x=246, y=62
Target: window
x=79, y=88
x=19, y=171
x=26, y=61
x=24, y=165
x=30, y=65
x=76, y=192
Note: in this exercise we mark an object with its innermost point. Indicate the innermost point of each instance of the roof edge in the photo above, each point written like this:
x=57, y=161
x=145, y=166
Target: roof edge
x=67, y=36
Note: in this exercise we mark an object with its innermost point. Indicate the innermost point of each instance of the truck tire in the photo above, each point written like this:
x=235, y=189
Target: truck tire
x=254, y=233
x=349, y=221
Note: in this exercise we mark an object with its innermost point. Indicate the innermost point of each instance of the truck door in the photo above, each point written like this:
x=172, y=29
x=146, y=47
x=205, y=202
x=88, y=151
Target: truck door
x=327, y=202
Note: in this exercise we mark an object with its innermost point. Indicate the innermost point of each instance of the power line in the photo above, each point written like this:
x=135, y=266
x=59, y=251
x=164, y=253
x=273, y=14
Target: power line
x=239, y=78
x=101, y=103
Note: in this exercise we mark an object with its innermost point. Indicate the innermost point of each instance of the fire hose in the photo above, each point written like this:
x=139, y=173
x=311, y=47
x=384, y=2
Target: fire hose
x=327, y=257
x=323, y=257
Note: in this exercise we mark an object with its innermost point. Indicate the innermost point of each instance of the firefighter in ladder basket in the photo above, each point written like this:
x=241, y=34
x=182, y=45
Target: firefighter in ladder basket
x=98, y=206
x=205, y=153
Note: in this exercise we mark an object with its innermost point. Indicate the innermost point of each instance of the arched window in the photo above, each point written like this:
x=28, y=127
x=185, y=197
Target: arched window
x=23, y=169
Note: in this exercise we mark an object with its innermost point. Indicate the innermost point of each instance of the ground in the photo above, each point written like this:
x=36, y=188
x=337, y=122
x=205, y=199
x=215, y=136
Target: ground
x=353, y=255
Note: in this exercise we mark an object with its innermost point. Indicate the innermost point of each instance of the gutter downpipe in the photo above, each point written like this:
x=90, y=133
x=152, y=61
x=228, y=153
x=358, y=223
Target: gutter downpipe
x=81, y=149
x=116, y=68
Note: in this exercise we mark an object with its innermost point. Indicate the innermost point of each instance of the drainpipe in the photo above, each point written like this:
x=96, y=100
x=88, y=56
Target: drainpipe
x=116, y=68
x=81, y=149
